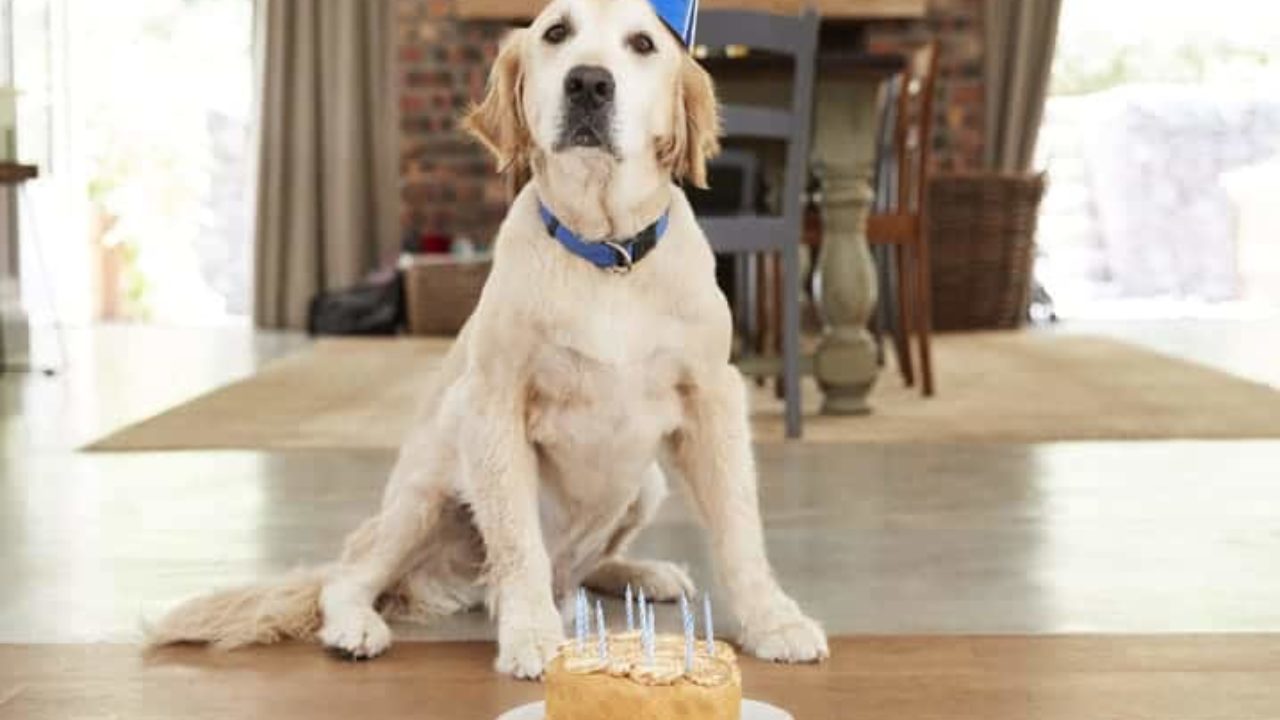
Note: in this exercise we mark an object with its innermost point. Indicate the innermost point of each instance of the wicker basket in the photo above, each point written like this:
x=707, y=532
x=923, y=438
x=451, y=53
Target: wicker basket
x=982, y=245
x=441, y=292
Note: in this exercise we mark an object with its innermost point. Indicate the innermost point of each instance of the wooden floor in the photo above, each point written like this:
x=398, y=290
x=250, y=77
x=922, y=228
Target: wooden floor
x=1166, y=677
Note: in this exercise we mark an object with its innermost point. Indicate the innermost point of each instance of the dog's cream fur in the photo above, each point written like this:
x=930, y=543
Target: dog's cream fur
x=570, y=397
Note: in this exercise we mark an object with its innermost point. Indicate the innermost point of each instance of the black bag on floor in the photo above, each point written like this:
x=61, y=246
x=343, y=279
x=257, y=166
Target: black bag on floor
x=374, y=308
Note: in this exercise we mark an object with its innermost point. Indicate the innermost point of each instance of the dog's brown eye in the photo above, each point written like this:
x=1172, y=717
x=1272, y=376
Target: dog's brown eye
x=556, y=34
x=641, y=43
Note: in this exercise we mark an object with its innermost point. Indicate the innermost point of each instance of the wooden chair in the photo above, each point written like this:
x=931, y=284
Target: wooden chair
x=754, y=233
x=900, y=222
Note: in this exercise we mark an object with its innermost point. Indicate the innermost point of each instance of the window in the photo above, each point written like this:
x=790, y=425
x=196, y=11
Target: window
x=139, y=113
x=1161, y=135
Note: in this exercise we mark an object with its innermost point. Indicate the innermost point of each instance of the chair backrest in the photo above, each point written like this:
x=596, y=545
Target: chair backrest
x=795, y=36
x=913, y=127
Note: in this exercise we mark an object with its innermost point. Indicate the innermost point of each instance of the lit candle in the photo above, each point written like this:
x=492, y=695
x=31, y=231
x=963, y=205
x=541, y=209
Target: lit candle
x=580, y=619
x=601, y=632
x=584, y=613
x=687, y=618
x=650, y=636
x=630, y=618
x=706, y=622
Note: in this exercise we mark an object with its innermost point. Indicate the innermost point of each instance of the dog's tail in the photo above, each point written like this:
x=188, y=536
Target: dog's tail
x=288, y=608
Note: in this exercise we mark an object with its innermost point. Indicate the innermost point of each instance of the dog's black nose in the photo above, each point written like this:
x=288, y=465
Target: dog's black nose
x=589, y=85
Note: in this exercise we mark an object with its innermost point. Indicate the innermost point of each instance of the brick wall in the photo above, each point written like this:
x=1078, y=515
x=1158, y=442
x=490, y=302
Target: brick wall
x=448, y=184
x=958, y=133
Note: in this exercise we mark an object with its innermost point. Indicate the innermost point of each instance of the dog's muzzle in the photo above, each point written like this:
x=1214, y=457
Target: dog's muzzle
x=588, y=112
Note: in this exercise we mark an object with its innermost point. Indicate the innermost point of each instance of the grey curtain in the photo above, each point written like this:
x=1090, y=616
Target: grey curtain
x=327, y=181
x=1020, y=38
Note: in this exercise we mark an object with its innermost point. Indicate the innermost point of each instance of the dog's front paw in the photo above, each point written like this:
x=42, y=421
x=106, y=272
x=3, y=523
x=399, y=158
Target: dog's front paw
x=662, y=581
x=784, y=634
x=356, y=633
x=524, y=651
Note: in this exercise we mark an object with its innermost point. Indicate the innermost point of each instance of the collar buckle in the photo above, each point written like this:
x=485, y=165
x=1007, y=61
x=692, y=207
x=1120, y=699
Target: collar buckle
x=628, y=262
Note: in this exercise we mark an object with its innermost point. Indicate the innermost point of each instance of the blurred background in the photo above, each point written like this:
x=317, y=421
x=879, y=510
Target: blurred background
x=1159, y=139
x=1160, y=142
x=1159, y=136
x=140, y=115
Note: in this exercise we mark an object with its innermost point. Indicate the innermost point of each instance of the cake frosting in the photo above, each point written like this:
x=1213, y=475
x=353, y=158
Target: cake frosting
x=626, y=683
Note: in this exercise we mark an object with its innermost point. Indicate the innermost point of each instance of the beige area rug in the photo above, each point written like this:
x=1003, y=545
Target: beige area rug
x=992, y=387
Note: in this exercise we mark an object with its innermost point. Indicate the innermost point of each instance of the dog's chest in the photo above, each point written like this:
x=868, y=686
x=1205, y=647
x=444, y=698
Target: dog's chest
x=606, y=392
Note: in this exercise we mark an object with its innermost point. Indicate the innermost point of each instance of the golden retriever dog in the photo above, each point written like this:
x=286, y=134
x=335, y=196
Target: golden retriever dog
x=574, y=393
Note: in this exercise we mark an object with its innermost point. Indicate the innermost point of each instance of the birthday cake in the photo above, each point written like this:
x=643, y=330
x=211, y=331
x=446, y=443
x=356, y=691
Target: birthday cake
x=642, y=675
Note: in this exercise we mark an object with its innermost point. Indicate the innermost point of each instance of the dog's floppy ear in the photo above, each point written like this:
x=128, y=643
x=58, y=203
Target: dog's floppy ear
x=695, y=132
x=498, y=121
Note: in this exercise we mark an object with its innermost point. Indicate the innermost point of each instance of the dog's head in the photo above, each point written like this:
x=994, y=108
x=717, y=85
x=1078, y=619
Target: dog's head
x=600, y=78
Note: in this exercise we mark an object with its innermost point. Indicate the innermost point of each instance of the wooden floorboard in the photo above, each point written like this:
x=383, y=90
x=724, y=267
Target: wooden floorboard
x=1165, y=677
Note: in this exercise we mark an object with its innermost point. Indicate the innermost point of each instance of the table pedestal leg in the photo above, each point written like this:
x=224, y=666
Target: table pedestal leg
x=844, y=156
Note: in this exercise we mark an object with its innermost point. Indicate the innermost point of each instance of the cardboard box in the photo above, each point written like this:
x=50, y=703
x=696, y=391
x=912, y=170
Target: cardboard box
x=441, y=291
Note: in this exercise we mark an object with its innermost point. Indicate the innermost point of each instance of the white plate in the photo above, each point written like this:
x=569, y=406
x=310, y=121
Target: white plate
x=751, y=710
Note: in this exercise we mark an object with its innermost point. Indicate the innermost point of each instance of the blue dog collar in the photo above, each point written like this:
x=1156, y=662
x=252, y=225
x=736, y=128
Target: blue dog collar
x=614, y=255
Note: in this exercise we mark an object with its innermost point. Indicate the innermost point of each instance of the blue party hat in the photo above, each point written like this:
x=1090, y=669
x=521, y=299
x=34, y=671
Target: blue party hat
x=679, y=15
